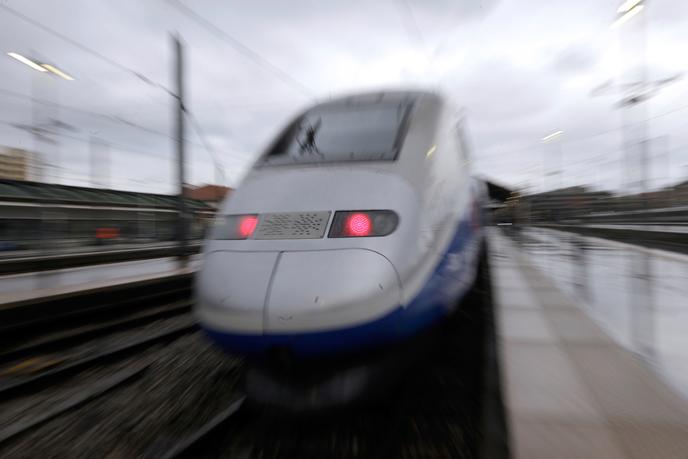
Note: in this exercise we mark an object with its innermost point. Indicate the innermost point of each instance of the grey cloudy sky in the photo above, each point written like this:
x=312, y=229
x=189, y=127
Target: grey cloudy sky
x=522, y=69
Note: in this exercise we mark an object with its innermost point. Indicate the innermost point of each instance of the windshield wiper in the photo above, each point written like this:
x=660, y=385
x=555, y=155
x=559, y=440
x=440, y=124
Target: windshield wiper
x=309, y=145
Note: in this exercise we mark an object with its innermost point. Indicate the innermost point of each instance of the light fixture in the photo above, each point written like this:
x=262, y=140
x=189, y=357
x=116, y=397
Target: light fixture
x=27, y=61
x=41, y=67
x=57, y=71
x=628, y=15
x=627, y=6
x=552, y=136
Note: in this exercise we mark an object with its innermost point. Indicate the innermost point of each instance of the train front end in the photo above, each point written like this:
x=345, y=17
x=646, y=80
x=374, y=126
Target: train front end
x=305, y=267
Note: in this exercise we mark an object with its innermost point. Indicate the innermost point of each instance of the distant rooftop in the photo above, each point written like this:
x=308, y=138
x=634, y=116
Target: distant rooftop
x=17, y=190
x=208, y=193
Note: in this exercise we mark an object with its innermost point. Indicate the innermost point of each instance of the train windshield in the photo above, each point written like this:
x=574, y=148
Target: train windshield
x=361, y=132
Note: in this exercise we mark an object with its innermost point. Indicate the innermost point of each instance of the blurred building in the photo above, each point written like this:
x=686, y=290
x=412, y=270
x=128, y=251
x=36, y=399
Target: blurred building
x=580, y=204
x=564, y=203
x=210, y=194
x=18, y=164
x=35, y=215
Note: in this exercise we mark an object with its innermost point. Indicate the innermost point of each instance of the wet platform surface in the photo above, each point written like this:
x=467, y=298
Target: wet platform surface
x=644, y=227
x=573, y=388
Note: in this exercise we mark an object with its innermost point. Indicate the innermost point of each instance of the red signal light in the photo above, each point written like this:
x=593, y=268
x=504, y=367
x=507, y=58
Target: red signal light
x=358, y=224
x=247, y=225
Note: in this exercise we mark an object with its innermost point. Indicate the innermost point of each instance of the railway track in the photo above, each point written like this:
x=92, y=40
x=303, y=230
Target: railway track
x=53, y=376
x=194, y=445
x=38, y=353
x=59, y=340
x=436, y=412
x=45, y=378
x=22, y=320
x=112, y=390
x=445, y=408
x=53, y=325
x=54, y=379
x=96, y=390
x=450, y=406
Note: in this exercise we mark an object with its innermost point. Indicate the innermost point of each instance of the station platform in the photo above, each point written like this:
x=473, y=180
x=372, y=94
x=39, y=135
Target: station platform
x=69, y=257
x=19, y=289
x=84, y=249
x=570, y=390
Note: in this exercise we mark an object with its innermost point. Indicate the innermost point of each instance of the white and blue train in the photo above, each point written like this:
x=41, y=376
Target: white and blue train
x=357, y=228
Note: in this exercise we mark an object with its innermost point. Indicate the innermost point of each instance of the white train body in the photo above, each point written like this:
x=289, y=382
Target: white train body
x=294, y=263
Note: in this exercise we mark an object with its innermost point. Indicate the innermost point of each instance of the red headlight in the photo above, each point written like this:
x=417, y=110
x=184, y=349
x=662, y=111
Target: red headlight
x=358, y=224
x=235, y=226
x=247, y=224
x=363, y=223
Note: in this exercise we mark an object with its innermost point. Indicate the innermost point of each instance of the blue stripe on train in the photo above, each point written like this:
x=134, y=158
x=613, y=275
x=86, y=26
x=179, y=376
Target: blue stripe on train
x=451, y=279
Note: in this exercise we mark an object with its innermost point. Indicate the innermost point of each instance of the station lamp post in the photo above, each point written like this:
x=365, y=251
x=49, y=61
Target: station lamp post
x=634, y=89
x=37, y=130
x=627, y=10
x=41, y=67
x=555, y=139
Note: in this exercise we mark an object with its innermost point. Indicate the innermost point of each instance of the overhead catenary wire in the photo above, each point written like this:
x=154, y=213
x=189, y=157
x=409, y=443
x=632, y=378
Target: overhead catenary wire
x=409, y=21
x=52, y=165
x=115, y=118
x=140, y=75
x=206, y=144
x=120, y=146
x=245, y=50
x=127, y=148
x=85, y=48
x=586, y=137
x=256, y=57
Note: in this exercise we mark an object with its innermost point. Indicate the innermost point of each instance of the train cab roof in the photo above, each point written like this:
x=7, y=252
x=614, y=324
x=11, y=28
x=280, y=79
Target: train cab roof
x=380, y=97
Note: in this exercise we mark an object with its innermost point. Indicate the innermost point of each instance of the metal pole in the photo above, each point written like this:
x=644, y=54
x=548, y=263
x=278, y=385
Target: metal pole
x=106, y=164
x=560, y=160
x=644, y=168
x=182, y=227
x=99, y=162
x=93, y=163
x=635, y=131
x=37, y=146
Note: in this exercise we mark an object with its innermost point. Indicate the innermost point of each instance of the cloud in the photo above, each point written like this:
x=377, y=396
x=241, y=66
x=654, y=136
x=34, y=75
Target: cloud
x=521, y=73
x=575, y=59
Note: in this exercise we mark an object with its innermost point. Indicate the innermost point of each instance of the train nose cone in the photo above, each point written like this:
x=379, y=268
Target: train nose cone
x=232, y=287
x=314, y=291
